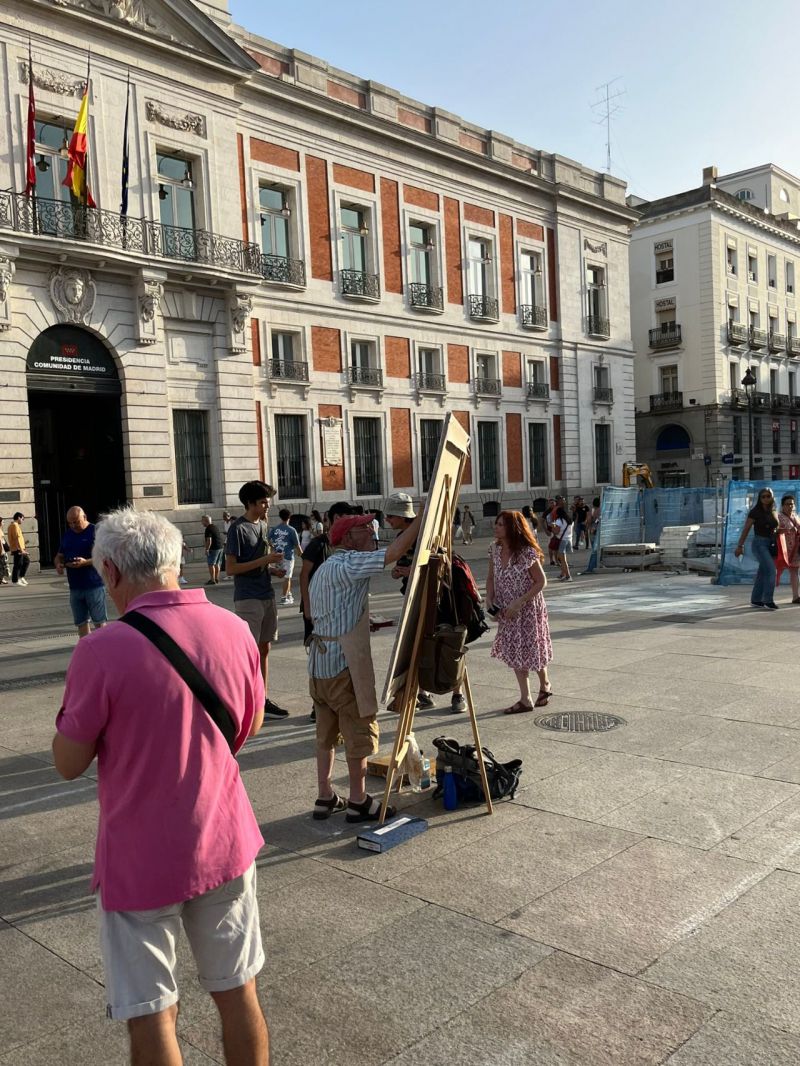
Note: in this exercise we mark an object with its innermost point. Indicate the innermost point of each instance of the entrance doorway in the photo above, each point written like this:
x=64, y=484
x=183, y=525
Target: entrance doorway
x=76, y=431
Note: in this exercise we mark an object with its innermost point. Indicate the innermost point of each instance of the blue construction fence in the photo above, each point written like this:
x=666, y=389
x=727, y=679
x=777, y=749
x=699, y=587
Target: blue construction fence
x=741, y=497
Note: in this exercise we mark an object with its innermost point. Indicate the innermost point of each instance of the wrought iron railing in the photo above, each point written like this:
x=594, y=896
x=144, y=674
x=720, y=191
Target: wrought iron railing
x=482, y=307
x=603, y=395
x=762, y=401
x=666, y=401
x=76, y=222
x=287, y=370
x=598, y=327
x=431, y=382
x=364, y=375
x=283, y=271
x=737, y=333
x=533, y=316
x=663, y=276
x=665, y=338
x=780, y=401
x=738, y=398
x=425, y=296
x=538, y=390
x=757, y=337
x=777, y=341
x=357, y=283
x=795, y=403
x=487, y=386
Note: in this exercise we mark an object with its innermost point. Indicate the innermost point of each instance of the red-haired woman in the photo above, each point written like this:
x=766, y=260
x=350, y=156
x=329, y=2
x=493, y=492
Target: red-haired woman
x=515, y=584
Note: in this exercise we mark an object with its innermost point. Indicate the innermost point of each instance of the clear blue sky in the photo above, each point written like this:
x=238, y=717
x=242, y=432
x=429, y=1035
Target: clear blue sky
x=704, y=83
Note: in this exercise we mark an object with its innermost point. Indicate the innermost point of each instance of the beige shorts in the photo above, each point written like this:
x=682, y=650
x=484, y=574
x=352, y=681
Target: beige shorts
x=261, y=616
x=139, y=947
x=338, y=718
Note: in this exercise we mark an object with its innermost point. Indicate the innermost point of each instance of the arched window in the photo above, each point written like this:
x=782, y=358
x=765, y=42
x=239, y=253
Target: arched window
x=745, y=194
x=673, y=439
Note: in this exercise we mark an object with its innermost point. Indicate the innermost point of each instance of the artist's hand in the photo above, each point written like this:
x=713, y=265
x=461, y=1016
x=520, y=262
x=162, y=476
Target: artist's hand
x=400, y=571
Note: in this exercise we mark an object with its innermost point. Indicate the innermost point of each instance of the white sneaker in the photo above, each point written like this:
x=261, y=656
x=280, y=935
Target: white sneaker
x=182, y=581
x=287, y=601
x=22, y=581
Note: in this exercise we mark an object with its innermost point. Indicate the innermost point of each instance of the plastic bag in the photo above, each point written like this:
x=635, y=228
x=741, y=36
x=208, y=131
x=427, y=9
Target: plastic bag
x=412, y=764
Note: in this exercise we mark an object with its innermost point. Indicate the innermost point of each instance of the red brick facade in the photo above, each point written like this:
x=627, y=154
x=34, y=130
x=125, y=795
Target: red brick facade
x=262, y=469
x=402, y=466
x=355, y=179
x=274, y=154
x=413, y=120
x=507, y=272
x=242, y=186
x=420, y=197
x=512, y=370
x=452, y=251
x=398, y=358
x=346, y=95
x=514, y=448
x=482, y=215
x=458, y=363
x=462, y=417
x=555, y=374
x=557, y=464
x=326, y=349
x=390, y=223
x=256, y=341
x=530, y=230
x=552, y=275
x=319, y=225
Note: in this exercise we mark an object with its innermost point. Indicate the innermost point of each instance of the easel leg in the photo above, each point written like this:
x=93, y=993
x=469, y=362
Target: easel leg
x=481, y=764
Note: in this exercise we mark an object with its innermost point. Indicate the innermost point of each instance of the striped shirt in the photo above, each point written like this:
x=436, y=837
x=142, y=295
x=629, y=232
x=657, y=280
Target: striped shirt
x=338, y=597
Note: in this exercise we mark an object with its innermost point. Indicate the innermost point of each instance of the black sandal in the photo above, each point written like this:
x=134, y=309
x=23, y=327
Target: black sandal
x=543, y=697
x=365, y=812
x=325, y=808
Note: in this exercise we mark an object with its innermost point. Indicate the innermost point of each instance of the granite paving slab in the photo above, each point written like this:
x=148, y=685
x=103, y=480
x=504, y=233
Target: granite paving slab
x=743, y=747
x=729, y=1040
x=773, y=839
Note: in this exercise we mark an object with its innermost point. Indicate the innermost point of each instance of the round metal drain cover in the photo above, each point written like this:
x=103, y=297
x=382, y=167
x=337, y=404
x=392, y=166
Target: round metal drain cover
x=579, y=722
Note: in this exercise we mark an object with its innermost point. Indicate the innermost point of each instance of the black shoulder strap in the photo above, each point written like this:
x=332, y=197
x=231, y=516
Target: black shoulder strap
x=186, y=669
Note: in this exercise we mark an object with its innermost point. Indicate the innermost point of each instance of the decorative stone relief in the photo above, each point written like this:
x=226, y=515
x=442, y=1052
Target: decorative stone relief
x=598, y=247
x=239, y=307
x=174, y=119
x=132, y=12
x=6, y=277
x=73, y=293
x=53, y=81
x=151, y=291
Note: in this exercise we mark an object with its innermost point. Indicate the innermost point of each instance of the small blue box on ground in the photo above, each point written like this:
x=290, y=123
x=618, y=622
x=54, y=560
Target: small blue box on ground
x=396, y=831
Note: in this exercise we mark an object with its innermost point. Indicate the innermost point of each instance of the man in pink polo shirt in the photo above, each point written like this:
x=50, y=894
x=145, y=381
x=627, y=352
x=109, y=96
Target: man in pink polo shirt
x=177, y=838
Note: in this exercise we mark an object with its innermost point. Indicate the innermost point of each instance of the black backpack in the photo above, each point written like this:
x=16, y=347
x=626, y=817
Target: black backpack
x=503, y=778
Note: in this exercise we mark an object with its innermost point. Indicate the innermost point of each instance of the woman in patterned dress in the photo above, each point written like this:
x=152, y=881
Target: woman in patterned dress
x=515, y=584
x=789, y=525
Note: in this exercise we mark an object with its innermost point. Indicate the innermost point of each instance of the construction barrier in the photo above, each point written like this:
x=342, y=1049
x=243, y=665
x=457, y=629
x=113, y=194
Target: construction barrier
x=741, y=497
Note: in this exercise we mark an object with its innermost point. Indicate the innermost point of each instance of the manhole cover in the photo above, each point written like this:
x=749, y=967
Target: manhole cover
x=579, y=722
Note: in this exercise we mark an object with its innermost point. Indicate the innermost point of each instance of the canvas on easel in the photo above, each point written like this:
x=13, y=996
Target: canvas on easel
x=435, y=541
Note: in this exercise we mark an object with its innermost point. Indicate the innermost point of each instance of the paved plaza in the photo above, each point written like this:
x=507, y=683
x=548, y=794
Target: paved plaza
x=637, y=903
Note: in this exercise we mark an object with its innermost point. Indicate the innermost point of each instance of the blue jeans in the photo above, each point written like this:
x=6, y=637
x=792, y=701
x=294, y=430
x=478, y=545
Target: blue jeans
x=764, y=584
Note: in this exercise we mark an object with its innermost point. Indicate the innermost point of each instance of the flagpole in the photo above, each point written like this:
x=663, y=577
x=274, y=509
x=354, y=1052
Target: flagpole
x=123, y=203
x=89, y=140
x=30, y=149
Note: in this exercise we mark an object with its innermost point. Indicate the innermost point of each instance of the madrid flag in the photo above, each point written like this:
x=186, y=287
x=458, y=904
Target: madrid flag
x=75, y=180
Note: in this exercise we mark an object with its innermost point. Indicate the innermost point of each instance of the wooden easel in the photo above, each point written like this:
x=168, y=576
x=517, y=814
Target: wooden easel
x=408, y=698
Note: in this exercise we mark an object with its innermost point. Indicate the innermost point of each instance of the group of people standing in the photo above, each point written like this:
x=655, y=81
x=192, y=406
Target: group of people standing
x=772, y=557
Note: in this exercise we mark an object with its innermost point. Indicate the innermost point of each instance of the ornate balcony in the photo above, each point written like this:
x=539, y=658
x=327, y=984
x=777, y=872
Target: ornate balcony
x=368, y=376
x=663, y=276
x=794, y=403
x=738, y=398
x=793, y=345
x=598, y=327
x=430, y=382
x=762, y=401
x=603, y=395
x=482, y=307
x=282, y=271
x=537, y=390
x=781, y=402
x=665, y=338
x=776, y=342
x=360, y=285
x=487, y=386
x=533, y=317
x=287, y=370
x=737, y=333
x=666, y=401
x=757, y=338
x=425, y=297
x=137, y=236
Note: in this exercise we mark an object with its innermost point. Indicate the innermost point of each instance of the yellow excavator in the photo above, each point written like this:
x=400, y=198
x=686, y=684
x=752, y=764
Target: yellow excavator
x=634, y=470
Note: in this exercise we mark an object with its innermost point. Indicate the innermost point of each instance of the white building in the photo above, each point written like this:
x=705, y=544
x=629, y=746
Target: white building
x=712, y=293
x=313, y=270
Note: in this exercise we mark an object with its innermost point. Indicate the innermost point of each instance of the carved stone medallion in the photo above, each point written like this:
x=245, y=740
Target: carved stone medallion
x=73, y=293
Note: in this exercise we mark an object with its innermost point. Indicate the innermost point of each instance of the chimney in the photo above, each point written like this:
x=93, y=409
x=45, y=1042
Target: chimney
x=710, y=175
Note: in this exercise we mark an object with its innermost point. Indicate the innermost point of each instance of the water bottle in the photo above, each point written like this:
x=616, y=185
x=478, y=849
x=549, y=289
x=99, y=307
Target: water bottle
x=425, y=782
x=450, y=791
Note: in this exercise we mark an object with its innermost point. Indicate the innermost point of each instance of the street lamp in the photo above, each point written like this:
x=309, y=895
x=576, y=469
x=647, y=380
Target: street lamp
x=749, y=382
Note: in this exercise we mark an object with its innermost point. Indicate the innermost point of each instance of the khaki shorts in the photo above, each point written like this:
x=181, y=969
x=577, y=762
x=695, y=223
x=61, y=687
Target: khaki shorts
x=139, y=947
x=261, y=616
x=338, y=718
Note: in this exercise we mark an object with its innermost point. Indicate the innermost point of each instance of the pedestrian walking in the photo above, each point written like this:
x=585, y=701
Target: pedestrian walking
x=177, y=837
x=594, y=519
x=227, y=522
x=467, y=524
x=580, y=519
x=317, y=528
x=306, y=532
x=789, y=526
x=215, y=549
x=532, y=520
x=284, y=539
x=248, y=558
x=16, y=544
x=549, y=521
x=562, y=532
x=762, y=518
x=87, y=594
x=515, y=584
x=4, y=556
x=342, y=676
x=458, y=528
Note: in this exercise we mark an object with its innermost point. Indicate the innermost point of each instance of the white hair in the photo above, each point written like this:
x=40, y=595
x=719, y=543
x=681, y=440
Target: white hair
x=143, y=545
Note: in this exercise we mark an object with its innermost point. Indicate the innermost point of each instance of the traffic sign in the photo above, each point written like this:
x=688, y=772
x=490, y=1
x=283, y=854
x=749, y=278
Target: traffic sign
x=728, y=458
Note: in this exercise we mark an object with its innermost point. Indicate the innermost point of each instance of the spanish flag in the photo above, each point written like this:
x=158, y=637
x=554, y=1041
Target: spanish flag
x=77, y=155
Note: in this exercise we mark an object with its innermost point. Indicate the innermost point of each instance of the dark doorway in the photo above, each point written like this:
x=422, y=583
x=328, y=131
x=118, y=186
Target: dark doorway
x=76, y=431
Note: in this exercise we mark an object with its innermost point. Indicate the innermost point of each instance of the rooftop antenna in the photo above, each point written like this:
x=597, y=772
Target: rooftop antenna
x=605, y=107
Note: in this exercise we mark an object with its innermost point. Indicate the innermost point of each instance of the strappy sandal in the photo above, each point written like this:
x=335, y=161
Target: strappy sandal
x=544, y=697
x=325, y=808
x=365, y=812
x=518, y=708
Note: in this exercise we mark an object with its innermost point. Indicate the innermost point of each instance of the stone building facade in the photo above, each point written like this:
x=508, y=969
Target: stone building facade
x=312, y=271
x=713, y=292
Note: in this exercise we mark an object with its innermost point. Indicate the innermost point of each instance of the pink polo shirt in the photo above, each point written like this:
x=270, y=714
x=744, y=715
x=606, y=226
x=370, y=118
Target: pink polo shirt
x=175, y=820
